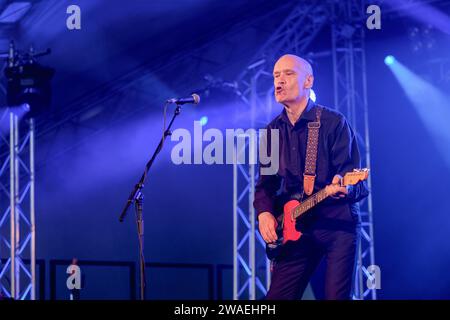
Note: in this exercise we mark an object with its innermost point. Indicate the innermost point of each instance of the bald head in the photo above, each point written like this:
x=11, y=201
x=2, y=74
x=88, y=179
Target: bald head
x=293, y=78
x=296, y=61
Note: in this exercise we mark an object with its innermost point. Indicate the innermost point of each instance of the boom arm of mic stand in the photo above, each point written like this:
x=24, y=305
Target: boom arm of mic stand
x=138, y=187
x=130, y=200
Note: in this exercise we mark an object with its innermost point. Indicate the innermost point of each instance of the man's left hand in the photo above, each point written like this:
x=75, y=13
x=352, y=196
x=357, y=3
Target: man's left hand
x=335, y=190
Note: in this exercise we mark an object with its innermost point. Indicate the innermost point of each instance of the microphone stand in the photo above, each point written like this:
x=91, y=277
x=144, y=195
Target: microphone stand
x=137, y=198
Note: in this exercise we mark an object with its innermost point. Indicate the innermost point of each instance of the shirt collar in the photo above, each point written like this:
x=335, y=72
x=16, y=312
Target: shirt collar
x=308, y=114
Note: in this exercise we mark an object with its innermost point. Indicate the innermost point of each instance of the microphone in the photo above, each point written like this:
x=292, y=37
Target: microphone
x=195, y=99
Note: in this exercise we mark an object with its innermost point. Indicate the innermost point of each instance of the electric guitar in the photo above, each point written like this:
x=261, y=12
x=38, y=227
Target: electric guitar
x=293, y=209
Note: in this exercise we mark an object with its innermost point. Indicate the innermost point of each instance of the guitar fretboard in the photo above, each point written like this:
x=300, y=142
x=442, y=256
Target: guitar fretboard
x=350, y=178
x=309, y=203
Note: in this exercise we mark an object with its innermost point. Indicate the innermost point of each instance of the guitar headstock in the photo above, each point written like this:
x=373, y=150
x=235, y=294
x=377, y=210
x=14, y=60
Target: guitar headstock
x=352, y=178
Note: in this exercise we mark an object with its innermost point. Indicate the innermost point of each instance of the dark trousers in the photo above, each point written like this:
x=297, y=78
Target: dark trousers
x=293, y=269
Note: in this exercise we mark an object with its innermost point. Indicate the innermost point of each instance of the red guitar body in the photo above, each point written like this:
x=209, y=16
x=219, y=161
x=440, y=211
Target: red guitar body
x=286, y=230
x=289, y=231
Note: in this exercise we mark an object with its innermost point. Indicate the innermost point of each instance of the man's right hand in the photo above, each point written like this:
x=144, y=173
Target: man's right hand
x=267, y=226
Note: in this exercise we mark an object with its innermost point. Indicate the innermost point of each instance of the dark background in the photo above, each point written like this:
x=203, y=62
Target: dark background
x=120, y=67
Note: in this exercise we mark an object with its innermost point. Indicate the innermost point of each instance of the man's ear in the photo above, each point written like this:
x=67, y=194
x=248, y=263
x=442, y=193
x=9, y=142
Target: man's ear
x=309, y=81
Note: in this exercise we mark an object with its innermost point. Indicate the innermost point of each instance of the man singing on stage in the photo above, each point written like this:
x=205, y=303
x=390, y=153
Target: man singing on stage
x=329, y=229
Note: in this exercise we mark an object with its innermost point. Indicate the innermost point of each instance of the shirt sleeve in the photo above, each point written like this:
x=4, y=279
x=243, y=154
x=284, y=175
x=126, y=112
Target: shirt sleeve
x=345, y=157
x=267, y=185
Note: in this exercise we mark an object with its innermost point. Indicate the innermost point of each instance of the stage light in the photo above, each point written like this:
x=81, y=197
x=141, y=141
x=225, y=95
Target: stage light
x=203, y=120
x=430, y=103
x=389, y=60
x=26, y=107
x=312, y=95
x=20, y=111
x=29, y=84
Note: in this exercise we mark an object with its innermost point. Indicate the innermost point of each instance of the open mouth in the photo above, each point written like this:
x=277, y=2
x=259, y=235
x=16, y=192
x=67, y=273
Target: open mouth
x=278, y=90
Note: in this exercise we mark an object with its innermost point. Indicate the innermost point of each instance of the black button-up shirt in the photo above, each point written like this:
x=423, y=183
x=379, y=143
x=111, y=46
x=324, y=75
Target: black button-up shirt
x=337, y=154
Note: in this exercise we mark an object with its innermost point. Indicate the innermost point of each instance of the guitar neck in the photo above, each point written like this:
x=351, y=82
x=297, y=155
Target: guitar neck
x=350, y=178
x=310, y=202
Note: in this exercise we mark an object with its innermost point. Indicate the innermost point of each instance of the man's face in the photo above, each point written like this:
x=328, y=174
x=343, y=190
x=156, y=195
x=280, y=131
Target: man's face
x=289, y=80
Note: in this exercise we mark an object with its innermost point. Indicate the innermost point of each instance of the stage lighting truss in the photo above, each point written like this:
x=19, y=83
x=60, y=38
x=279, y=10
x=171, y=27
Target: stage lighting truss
x=250, y=267
x=17, y=214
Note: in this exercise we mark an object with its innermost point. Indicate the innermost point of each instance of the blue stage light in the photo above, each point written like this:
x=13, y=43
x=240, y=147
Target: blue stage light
x=203, y=120
x=312, y=95
x=389, y=60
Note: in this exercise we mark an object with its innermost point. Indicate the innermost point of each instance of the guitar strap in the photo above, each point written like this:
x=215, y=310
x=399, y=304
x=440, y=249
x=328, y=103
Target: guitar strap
x=309, y=175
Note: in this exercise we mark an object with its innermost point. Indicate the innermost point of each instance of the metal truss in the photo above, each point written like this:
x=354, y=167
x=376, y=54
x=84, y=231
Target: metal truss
x=17, y=234
x=250, y=273
x=350, y=97
x=294, y=35
x=347, y=20
x=255, y=88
